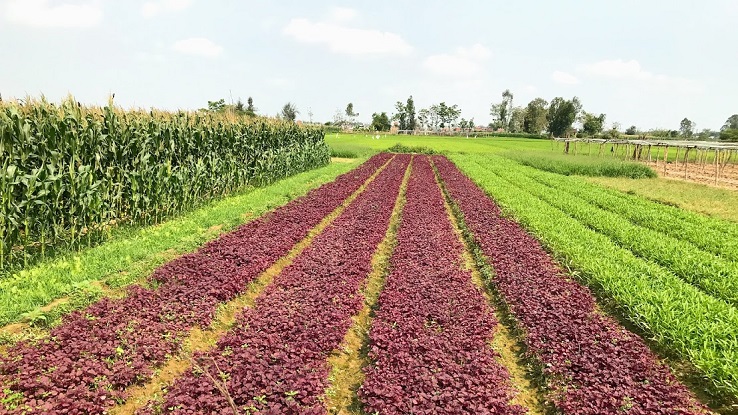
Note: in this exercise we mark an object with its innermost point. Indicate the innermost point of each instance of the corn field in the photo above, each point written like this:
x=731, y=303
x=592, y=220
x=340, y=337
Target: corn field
x=71, y=173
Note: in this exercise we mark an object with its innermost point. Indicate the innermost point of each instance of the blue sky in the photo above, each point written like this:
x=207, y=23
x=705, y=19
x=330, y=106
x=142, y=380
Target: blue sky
x=648, y=62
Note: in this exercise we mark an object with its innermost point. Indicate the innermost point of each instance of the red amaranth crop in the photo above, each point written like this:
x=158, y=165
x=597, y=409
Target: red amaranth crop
x=429, y=339
x=88, y=361
x=593, y=365
x=275, y=360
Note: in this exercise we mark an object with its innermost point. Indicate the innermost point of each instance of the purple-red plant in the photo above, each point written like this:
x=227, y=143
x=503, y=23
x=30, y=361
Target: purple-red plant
x=87, y=362
x=429, y=338
x=592, y=364
x=275, y=360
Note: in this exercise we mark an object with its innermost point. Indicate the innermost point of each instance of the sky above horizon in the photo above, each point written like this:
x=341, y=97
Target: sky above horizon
x=647, y=63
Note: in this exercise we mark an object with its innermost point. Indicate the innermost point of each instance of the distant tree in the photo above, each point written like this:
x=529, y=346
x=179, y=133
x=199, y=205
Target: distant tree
x=729, y=134
x=471, y=123
x=502, y=112
x=463, y=124
x=447, y=114
x=380, y=122
x=434, y=119
x=250, y=110
x=410, y=113
x=517, y=120
x=400, y=115
x=535, y=119
x=686, y=128
x=423, y=118
x=561, y=115
x=239, y=108
x=731, y=123
x=612, y=134
x=217, y=106
x=592, y=124
x=289, y=112
x=708, y=134
x=310, y=115
x=632, y=130
x=729, y=131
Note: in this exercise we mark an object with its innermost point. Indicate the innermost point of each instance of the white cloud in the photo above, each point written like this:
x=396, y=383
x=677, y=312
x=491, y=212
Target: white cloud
x=40, y=13
x=347, y=40
x=199, y=46
x=632, y=71
x=464, y=63
x=343, y=14
x=153, y=8
x=564, y=78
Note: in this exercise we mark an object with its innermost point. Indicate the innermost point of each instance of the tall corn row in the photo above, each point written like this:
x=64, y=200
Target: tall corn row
x=69, y=173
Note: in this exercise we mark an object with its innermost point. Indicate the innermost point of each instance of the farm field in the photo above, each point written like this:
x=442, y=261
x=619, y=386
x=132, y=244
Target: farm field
x=468, y=282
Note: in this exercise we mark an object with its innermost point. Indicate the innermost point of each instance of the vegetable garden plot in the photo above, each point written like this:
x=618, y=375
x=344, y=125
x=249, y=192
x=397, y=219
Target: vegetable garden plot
x=593, y=366
x=429, y=337
x=714, y=275
x=89, y=361
x=681, y=319
x=274, y=361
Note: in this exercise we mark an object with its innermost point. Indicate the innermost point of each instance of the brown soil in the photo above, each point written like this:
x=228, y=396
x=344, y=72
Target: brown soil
x=727, y=177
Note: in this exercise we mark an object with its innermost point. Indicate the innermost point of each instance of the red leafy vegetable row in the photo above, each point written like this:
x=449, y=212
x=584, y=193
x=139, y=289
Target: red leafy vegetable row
x=429, y=338
x=88, y=362
x=275, y=360
x=593, y=365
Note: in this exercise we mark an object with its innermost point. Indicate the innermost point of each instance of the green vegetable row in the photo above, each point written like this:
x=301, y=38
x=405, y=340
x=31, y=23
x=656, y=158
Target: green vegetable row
x=717, y=236
x=713, y=274
x=676, y=315
x=69, y=173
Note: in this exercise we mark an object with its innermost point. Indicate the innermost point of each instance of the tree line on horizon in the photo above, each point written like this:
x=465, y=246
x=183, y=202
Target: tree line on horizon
x=555, y=118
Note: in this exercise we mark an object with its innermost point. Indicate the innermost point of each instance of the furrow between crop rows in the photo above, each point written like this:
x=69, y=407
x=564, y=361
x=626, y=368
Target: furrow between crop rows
x=275, y=359
x=349, y=359
x=429, y=338
x=96, y=354
x=510, y=349
x=225, y=319
x=592, y=364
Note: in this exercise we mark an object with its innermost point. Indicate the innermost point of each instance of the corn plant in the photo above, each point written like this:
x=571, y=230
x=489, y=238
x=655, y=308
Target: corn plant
x=70, y=173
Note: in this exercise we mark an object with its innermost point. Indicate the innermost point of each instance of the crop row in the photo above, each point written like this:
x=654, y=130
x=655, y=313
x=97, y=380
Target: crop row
x=592, y=364
x=69, y=173
x=141, y=251
x=677, y=316
x=429, y=339
x=716, y=236
x=715, y=275
x=275, y=360
x=88, y=362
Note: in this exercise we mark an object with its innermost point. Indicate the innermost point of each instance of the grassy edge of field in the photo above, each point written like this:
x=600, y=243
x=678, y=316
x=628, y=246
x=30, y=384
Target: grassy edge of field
x=677, y=193
x=125, y=259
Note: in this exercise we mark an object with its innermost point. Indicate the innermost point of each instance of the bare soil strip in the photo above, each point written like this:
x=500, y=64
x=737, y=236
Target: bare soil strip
x=346, y=363
x=201, y=340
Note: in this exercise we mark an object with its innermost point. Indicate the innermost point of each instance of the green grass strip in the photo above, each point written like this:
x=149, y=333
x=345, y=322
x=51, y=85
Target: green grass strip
x=136, y=253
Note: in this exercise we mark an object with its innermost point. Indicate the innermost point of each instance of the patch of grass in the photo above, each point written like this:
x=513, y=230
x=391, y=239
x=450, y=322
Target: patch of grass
x=127, y=258
x=581, y=165
x=711, y=201
x=344, y=153
x=401, y=148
